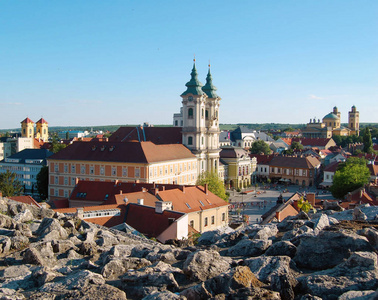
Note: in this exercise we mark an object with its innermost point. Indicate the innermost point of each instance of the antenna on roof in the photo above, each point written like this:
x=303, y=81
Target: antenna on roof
x=194, y=57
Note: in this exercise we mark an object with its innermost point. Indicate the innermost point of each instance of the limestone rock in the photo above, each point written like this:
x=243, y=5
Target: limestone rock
x=166, y=295
x=357, y=295
x=359, y=272
x=98, y=292
x=24, y=216
x=205, y=264
x=275, y=271
x=50, y=229
x=320, y=223
x=328, y=249
x=7, y=222
x=358, y=215
x=5, y=244
x=40, y=253
x=117, y=267
x=249, y=248
x=371, y=235
x=282, y=248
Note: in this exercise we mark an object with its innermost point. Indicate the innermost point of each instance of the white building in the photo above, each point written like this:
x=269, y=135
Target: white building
x=26, y=164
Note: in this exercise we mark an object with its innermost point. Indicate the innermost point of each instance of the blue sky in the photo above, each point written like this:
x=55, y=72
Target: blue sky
x=127, y=62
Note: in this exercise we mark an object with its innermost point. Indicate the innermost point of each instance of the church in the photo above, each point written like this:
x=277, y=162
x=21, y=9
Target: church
x=331, y=125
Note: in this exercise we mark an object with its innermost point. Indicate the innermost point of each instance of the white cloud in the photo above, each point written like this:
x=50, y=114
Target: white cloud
x=315, y=97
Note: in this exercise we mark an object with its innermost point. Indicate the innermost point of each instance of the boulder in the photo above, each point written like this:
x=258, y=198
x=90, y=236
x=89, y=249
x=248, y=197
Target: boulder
x=24, y=216
x=275, y=271
x=265, y=233
x=358, y=215
x=98, y=292
x=40, y=253
x=282, y=248
x=320, y=223
x=297, y=232
x=62, y=246
x=249, y=248
x=204, y=264
x=288, y=224
x=106, y=239
x=358, y=295
x=50, y=229
x=6, y=222
x=19, y=242
x=16, y=271
x=372, y=236
x=358, y=272
x=166, y=295
x=328, y=249
x=41, y=275
x=78, y=280
x=5, y=244
x=231, y=239
x=157, y=277
x=119, y=266
x=88, y=248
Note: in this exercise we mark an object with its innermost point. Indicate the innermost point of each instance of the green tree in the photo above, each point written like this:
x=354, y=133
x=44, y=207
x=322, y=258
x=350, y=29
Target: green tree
x=214, y=184
x=296, y=146
x=350, y=176
x=56, y=146
x=304, y=205
x=43, y=182
x=368, y=144
x=10, y=185
x=259, y=147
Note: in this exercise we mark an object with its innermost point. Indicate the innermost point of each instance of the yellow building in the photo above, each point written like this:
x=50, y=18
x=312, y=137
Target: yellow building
x=27, y=128
x=239, y=167
x=125, y=161
x=42, y=130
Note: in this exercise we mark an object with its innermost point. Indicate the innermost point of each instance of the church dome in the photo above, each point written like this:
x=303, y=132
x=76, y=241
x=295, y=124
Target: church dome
x=331, y=116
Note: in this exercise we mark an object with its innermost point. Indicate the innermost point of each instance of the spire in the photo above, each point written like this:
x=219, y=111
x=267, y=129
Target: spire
x=209, y=88
x=193, y=86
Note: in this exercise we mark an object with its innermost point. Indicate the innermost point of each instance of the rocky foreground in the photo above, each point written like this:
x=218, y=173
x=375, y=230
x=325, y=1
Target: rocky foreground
x=46, y=255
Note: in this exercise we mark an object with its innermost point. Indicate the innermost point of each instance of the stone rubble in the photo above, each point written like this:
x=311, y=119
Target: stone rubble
x=328, y=255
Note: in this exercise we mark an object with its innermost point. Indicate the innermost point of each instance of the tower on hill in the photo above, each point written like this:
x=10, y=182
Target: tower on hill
x=354, y=121
x=27, y=128
x=200, y=115
x=42, y=128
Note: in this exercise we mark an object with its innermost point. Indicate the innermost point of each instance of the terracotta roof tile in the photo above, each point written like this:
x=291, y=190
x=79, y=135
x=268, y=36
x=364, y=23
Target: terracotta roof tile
x=42, y=121
x=25, y=199
x=27, y=120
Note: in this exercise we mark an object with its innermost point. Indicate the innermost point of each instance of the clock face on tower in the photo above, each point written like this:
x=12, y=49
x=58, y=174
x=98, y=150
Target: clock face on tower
x=190, y=98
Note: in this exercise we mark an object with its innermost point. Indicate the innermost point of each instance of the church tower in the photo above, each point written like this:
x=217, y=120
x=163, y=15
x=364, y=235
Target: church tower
x=42, y=128
x=336, y=112
x=27, y=128
x=200, y=131
x=354, y=121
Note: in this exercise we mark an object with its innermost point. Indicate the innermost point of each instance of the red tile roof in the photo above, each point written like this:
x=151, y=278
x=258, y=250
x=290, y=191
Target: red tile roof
x=42, y=121
x=373, y=169
x=312, y=141
x=332, y=167
x=131, y=152
x=263, y=159
x=25, y=199
x=157, y=135
x=27, y=120
x=147, y=221
x=308, y=162
x=287, y=140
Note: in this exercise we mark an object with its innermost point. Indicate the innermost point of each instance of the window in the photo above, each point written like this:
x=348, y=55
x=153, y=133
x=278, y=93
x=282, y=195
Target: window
x=82, y=169
x=65, y=180
x=202, y=140
x=102, y=170
x=137, y=172
x=202, y=113
x=207, y=114
x=191, y=223
x=73, y=180
x=73, y=169
x=56, y=168
x=56, y=180
x=327, y=176
x=190, y=140
x=65, y=169
x=91, y=170
x=176, y=123
x=114, y=171
x=190, y=113
x=187, y=204
x=56, y=193
x=65, y=193
x=223, y=216
x=124, y=171
x=212, y=220
x=206, y=222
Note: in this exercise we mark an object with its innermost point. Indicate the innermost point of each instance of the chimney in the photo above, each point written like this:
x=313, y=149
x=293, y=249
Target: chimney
x=80, y=212
x=361, y=193
x=206, y=189
x=182, y=187
x=144, y=190
x=278, y=216
x=310, y=197
x=141, y=201
x=163, y=188
x=136, y=181
x=156, y=190
x=161, y=206
x=76, y=180
x=154, y=184
x=120, y=192
x=116, y=182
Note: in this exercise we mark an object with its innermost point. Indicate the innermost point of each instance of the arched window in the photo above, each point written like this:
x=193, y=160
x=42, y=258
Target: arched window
x=202, y=140
x=202, y=112
x=207, y=114
x=190, y=113
x=190, y=140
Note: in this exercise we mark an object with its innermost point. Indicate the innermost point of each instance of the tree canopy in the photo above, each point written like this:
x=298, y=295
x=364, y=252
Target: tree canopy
x=10, y=185
x=259, y=147
x=350, y=176
x=368, y=143
x=43, y=182
x=214, y=183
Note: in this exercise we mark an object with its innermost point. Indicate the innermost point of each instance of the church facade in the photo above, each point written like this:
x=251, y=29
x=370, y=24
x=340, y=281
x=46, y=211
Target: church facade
x=199, y=119
x=331, y=125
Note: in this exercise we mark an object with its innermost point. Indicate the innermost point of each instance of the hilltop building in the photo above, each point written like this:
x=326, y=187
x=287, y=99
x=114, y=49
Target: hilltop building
x=42, y=129
x=331, y=125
